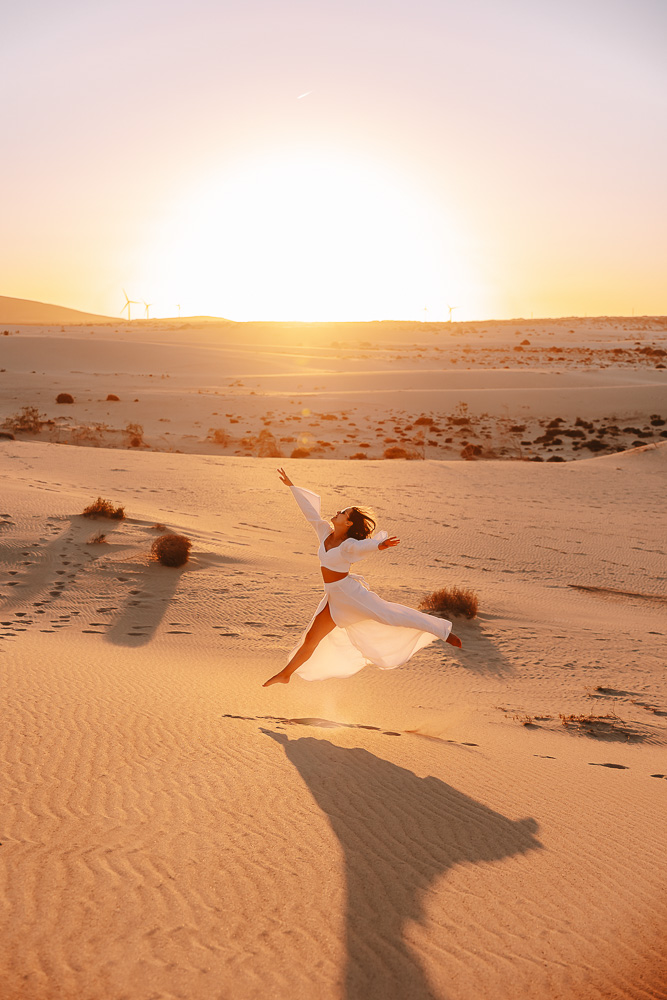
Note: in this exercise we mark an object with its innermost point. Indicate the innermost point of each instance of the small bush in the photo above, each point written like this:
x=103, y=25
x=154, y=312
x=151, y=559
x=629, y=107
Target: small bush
x=64, y=397
x=594, y=445
x=471, y=451
x=135, y=434
x=218, y=435
x=27, y=420
x=97, y=539
x=171, y=550
x=395, y=453
x=104, y=508
x=159, y=527
x=301, y=453
x=359, y=455
x=113, y=398
x=267, y=446
x=455, y=601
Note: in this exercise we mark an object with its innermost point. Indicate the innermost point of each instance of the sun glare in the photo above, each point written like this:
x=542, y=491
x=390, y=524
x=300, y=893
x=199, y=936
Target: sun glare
x=306, y=238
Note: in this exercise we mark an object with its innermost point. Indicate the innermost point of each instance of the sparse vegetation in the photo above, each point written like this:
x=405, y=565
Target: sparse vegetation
x=27, y=420
x=302, y=453
x=97, y=539
x=135, y=435
x=171, y=550
x=113, y=398
x=218, y=435
x=64, y=397
x=395, y=453
x=456, y=601
x=104, y=508
x=603, y=726
x=267, y=446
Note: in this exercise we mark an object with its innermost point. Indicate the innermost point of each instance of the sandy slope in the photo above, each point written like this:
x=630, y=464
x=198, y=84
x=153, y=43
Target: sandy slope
x=172, y=829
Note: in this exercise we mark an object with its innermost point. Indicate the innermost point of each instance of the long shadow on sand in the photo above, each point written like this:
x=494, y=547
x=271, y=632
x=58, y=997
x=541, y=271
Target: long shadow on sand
x=481, y=653
x=398, y=833
x=155, y=586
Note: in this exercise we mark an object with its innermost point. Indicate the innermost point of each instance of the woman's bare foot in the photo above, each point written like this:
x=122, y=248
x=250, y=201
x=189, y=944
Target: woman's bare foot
x=454, y=640
x=280, y=678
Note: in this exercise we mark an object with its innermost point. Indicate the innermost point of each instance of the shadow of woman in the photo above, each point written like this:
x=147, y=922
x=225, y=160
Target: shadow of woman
x=398, y=833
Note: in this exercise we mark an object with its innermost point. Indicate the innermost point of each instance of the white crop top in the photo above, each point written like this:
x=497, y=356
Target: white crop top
x=340, y=558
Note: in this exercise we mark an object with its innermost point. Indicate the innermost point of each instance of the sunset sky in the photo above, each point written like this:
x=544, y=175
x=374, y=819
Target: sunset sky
x=507, y=157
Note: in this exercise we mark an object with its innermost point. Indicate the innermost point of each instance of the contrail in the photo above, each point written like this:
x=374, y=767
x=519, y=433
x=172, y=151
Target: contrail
x=304, y=95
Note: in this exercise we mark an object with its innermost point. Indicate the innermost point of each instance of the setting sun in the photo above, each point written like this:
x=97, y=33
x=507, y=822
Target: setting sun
x=306, y=237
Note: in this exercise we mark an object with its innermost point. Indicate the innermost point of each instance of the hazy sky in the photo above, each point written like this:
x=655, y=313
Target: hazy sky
x=508, y=157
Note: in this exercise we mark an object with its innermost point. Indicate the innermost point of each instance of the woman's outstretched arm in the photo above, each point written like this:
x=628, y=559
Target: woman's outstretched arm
x=360, y=547
x=309, y=504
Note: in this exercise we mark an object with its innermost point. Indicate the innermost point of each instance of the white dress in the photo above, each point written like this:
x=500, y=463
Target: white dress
x=368, y=629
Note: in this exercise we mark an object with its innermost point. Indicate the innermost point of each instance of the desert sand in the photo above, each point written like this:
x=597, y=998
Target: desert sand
x=480, y=823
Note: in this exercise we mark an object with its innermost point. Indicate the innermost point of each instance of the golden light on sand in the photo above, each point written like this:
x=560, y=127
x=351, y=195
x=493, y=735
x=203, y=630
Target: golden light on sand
x=307, y=237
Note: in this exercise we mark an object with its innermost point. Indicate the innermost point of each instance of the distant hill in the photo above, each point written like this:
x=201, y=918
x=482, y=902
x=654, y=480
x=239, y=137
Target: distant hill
x=25, y=312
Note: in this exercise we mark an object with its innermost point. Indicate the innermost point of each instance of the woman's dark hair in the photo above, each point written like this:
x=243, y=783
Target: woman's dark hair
x=363, y=523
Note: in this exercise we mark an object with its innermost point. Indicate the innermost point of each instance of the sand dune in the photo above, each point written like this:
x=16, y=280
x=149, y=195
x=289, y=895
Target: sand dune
x=173, y=829
x=540, y=392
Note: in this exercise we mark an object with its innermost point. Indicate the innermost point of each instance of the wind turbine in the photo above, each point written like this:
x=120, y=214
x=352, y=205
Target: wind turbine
x=128, y=304
x=148, y=305
x=451, y=310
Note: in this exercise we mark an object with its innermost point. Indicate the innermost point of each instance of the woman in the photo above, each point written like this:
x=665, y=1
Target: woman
x=352, y=626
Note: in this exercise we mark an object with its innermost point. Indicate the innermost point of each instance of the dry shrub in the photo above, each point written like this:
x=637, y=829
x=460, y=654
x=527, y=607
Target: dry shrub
x=359, y=455
x=159, y=527
x=471, y=452
x=424, y=421
x=135, y=434
x=64, y=397
x=171, y=550
x=97, y=539
x=218, y=435
x=267, y=446
x=104, y=508
x=457, y=601
x=27, y=420
x=395, y=453
x=302, y=453
x=113, y=398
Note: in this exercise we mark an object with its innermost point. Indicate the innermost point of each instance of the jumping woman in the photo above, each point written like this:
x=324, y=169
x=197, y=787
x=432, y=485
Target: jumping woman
x=353, y=626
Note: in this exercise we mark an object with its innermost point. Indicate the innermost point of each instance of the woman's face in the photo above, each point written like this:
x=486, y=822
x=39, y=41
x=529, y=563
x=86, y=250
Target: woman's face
x=341, y=519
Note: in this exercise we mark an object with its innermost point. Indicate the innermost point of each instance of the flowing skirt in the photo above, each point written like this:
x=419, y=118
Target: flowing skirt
x=368, y=630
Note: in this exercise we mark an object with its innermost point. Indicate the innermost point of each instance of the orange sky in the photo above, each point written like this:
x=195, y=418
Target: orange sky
x=348, y=160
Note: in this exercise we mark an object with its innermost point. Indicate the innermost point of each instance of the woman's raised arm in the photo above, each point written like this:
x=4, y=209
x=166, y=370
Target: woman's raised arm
x=309, y=504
